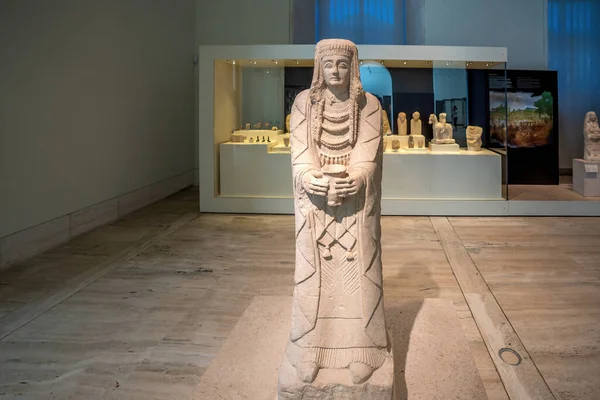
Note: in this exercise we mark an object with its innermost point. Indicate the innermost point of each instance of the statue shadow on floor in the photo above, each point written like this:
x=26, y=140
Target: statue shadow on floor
x=401, y=314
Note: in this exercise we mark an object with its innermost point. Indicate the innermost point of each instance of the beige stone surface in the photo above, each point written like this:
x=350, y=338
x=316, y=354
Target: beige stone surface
x=432, y=358
x=152, y=326
x=247, y=365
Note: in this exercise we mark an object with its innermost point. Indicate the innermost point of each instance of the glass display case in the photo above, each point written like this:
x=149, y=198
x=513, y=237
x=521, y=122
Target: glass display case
x=442, y=123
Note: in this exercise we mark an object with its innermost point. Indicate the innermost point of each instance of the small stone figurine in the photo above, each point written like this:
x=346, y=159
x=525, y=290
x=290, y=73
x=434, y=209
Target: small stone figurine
x=402, y=124
x=474, y=138
x=415, y=124
x=591, y=134
x=442, y=131
x=263, y=139
x=257, y=139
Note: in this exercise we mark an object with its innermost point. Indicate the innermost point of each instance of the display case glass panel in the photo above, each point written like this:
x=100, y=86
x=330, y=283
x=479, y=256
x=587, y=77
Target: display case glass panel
x=420, y=97
x=255, y=97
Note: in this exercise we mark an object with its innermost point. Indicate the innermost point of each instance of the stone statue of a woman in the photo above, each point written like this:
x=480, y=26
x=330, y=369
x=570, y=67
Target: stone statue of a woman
x=591, y=133
x=336, y=137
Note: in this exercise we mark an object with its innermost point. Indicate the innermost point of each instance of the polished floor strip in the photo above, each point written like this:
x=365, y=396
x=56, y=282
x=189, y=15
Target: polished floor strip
x=518, y=372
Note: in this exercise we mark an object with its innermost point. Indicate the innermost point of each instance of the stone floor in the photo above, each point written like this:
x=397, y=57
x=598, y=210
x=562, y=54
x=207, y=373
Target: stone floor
x=139, y=308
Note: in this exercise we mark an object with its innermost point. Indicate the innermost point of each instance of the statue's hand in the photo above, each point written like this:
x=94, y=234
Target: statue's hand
x=350, y=185
x=313, y=184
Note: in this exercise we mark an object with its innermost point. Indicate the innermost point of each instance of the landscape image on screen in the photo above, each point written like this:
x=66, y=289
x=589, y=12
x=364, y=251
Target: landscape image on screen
x=530, y=118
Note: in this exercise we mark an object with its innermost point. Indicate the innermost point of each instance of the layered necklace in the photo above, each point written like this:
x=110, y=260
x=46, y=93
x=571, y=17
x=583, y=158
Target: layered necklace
x=336, y=131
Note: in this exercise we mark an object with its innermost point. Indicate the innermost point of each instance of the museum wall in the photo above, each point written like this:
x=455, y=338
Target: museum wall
x=516, y=24
x=96, y=102
x=239, y=22
x=519, y=25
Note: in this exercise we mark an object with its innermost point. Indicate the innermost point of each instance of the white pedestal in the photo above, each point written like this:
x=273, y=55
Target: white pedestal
x=280, y=148
x=444, y=148
x=466, y=175
x=403, y=141
x=586, y=177
x=254, y=170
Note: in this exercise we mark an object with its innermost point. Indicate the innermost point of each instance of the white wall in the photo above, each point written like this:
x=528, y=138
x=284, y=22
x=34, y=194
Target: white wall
x=239, y=22
x=242, y=22
x=519, y=25
x=96, y=101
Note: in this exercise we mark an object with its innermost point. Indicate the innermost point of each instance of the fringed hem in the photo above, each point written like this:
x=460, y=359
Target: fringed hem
x=342, y=358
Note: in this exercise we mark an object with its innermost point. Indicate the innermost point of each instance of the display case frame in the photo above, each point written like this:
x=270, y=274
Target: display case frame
x=209, y=139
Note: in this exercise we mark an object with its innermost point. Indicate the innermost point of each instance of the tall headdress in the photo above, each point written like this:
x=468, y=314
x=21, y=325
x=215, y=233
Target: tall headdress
x=328, y=47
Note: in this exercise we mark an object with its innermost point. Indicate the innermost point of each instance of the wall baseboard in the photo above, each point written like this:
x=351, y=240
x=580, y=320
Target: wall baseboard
x=23, y=245
x=565, y=171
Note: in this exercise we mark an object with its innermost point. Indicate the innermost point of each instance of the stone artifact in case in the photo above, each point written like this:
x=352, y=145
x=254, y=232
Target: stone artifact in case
x=402, y=124
x=416, y=127
x=474, y=138
x=387, y=130
x=591, y=133
x=442, y=130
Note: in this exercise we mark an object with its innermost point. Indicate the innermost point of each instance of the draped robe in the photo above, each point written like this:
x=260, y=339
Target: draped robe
x=366, y=159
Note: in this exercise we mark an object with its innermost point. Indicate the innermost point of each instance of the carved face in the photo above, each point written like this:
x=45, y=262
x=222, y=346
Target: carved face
x=402, y=117
x=336, y=71
x=416, y=115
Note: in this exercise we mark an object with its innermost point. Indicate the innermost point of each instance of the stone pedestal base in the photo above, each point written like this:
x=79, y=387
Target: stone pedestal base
x=586, y=177
x=403, y=142
x=444, y=148
x=336, y=384
x=422, y=150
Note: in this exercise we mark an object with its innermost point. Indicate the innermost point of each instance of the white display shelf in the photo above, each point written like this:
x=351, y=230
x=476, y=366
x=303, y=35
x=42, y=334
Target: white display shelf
x=252, y=170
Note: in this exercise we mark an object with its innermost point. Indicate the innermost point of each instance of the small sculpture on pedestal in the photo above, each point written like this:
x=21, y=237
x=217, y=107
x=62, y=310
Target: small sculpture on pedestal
x=395, y=144
x=591, y=133
x=416, y=127
x=442, y=131
x=338, y=341
x=474, y=138
x=402, y=124
x=387, y=130
x=416, y=140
